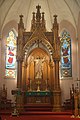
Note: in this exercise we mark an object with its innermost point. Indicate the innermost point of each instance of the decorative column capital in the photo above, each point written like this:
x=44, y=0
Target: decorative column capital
x=56, y=57
x=19, y=58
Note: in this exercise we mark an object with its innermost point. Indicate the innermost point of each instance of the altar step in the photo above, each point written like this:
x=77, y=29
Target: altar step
x=38, y=107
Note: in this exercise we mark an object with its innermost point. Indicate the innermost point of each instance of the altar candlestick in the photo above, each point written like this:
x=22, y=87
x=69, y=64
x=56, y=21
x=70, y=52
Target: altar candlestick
x=47, y=70
x=46, y=84
x=38, y=87
x=29, y=71
x=30, y=86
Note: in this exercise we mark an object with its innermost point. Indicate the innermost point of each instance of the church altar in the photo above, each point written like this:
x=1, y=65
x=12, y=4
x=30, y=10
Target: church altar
x=34, y=96
x=38, y=97
x=38, y=57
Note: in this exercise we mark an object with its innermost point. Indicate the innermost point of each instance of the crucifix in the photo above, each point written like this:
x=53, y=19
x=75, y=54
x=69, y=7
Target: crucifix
x=38, y=87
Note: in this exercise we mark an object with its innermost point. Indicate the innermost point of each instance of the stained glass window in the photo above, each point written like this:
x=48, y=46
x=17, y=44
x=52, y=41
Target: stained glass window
x=66, y=59
x=10, y=70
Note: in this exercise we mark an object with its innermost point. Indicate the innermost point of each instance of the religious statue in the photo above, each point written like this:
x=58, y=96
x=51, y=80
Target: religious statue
x=39, y=67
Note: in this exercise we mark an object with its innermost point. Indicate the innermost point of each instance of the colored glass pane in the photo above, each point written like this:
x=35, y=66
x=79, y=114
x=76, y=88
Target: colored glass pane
x=10, y=51
x=10, y=73
x=66, y=62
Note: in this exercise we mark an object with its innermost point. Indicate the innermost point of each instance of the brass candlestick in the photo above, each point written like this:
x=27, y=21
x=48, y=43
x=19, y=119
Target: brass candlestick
x=38, y=88
x=46, y=85
x=30, y=89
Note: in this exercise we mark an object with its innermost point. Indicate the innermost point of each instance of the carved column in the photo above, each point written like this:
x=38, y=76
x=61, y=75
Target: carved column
x=19, y=73
x=24, y=79
x=56, y=90
x=51, y=79
x=56, y=67
x=56, y=59
x=19, y=94
x=51, y=75
x=20, y=52
x=24, y=75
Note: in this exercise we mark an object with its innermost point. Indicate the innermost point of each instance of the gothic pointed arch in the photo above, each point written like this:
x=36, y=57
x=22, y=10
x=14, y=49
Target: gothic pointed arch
x=39, y=42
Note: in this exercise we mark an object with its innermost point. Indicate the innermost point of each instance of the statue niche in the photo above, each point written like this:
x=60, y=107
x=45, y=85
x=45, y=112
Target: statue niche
x=38, y=71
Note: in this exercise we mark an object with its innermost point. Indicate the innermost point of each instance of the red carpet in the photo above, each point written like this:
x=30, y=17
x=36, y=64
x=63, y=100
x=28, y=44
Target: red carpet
x=38, y=117
x=6, y=115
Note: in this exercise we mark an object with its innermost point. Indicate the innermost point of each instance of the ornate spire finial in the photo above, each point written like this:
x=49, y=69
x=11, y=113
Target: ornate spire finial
x=33, y=15
x=43, y=22
x=55, y=18
x=21, y=16
x=42, y=16
x=38, y=20
x=38, y=8
x=33, y=22
x=38, y=14
x=21, y=24
x=55, y=24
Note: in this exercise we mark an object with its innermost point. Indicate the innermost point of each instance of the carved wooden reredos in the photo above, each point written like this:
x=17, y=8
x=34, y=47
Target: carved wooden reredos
x=38, y=56
x=36, y=52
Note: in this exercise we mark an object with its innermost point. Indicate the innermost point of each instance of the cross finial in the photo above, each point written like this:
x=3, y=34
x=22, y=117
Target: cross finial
x=38, y=14
x=38, y=8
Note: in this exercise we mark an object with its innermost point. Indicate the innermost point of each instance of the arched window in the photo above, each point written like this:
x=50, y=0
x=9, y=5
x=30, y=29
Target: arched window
x=66, y=59
x=10, y=71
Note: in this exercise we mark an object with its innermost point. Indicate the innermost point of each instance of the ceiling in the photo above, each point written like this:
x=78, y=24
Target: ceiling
x=65, y=9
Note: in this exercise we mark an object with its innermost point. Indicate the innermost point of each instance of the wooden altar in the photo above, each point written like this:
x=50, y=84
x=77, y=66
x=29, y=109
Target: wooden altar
x=38, y=97
x=38, y=56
